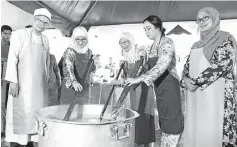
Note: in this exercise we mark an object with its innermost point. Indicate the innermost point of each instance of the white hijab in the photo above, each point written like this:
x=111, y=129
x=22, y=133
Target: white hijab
x=129, y=56
x=82, y=32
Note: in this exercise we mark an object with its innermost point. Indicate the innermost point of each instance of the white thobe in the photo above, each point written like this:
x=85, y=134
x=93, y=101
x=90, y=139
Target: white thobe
x=18, y=45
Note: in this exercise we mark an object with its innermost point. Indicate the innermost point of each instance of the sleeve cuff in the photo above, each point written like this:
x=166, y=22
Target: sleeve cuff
x=147, y=80
x=69, y=83
x=11, y=80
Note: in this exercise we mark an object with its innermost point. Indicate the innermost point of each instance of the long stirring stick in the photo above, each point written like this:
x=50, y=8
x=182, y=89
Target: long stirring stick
x=110, y=94
x=74, y=101
x=125, y=91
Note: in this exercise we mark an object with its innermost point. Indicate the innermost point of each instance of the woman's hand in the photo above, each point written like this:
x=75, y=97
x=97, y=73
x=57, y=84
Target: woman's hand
x=77, y=86
x=133, y=81
x=190, y=84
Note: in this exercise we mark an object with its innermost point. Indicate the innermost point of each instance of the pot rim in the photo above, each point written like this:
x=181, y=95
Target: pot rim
x=38, y=117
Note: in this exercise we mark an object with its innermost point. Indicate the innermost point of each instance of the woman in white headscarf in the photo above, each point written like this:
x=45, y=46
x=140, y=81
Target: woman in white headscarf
x=131, y=53
x=74, y=62
x=127, y=45
x=128, y=53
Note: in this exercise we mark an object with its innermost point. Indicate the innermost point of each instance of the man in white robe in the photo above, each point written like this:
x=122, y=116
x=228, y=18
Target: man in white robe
x=27, y=72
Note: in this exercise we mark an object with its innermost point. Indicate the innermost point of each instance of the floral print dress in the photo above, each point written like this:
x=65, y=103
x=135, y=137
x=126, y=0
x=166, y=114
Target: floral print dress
x=221, y=66
x=74, y=65
x=164, y=79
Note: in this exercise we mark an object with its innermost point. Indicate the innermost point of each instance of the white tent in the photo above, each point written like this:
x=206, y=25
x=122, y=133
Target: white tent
x=14, y=16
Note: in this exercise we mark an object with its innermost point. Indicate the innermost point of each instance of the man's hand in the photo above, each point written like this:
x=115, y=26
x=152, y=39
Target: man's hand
x=14, y=89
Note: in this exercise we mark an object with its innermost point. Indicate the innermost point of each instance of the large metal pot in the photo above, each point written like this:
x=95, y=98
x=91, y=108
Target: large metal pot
x=54, y=132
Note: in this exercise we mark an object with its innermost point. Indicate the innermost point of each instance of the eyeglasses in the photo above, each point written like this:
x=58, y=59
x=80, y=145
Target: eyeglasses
x=81, y=40
x=123, y=42
x=199, y=20
x=42, y=22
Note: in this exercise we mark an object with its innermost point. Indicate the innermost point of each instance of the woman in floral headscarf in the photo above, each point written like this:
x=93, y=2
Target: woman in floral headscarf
x=74, y=62
x=208, y=77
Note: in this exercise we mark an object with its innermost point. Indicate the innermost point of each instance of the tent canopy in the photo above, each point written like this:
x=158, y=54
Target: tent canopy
x=66, y=15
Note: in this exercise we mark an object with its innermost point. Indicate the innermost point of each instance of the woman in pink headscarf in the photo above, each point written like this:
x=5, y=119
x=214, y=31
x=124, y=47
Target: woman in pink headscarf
x=208, y=77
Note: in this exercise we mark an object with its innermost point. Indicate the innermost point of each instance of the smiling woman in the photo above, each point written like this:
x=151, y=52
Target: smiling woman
x=73, y=64
x=208, y=78
x=161, y=77
x=127, y=44
x=204, y=22
x=81, y=41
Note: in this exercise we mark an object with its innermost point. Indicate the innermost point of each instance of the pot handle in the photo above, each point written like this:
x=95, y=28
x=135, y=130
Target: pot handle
x=41, y=127
x=120, y=131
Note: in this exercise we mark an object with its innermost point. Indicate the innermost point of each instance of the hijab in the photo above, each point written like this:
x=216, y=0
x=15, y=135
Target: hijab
x=130, y=55
x=82, y=32
x=214, y=37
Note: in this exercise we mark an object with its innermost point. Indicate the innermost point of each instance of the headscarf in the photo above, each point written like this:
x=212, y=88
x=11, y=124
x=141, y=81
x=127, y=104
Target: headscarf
x=214, y=37
x=82, y=32
x=129, y=56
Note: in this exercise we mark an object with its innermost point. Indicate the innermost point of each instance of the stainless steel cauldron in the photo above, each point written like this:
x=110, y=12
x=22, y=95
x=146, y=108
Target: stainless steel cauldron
x=54, y=132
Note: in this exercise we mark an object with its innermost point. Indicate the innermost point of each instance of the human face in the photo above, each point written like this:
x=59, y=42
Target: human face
x=6, y=35
x=150, y=30
x=40, y=23
x=81, y=41
x=125, y=44
x=204, y=21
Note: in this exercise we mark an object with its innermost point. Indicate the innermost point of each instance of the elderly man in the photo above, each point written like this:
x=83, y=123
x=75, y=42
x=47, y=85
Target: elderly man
x=27, y=72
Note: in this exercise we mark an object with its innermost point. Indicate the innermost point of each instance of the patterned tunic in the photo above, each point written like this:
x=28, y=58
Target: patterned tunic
x=167, y=90
x=167, y=60
x=222, y=63
x=68, y=66
x=74, y=65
